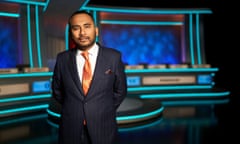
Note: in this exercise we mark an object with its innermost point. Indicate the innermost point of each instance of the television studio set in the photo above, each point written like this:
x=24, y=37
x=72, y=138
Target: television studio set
x=171, y=86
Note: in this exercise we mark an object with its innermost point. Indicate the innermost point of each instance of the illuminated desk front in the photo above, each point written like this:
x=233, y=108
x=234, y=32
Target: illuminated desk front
x=24, y=92
x=28, y=92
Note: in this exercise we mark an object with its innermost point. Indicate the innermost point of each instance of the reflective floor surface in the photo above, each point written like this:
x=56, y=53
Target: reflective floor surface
x=179, y=124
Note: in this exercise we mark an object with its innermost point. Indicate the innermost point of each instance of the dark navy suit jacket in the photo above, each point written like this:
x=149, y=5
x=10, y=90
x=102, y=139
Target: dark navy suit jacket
x=107, y=91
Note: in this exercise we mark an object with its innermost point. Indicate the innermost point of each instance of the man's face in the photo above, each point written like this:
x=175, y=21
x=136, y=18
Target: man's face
x=83, y=31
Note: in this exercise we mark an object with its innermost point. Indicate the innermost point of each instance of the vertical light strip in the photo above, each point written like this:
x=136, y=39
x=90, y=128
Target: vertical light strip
x=191, y=39
x=20, y=50
x=37, y=37
x=29, y=35
x=46, y=5
x=95, y=17
x=84, y=4
x=198, y=40
x=95, y=21
x=183, y=42
x=66, y=37
x=31, y=2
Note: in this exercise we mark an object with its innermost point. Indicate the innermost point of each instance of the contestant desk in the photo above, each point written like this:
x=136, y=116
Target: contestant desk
x=31, y=91
x=24, y=92
x=173, y=83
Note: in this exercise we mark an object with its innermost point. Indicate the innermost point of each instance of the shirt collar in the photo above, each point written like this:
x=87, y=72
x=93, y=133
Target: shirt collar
x=92, y=51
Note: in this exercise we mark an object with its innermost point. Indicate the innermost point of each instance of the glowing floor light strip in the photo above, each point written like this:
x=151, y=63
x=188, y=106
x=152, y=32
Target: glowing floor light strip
x=22, y=109
x=192, y=95
x=53, y=113
x=22, y=119
x=22, y=98
x=52, y=123
x=122, y=118
x=140, y=126
x=140, y=116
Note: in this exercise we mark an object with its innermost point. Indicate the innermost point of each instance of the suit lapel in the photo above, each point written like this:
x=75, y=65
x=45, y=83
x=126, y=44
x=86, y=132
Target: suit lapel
x=97, y=72
x=74, y=71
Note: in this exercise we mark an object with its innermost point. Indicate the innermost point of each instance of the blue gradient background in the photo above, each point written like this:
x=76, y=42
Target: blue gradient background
x=144, y=44
x=8, y=42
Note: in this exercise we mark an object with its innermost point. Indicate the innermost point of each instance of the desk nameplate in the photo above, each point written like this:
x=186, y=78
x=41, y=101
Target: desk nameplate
x=164, y=80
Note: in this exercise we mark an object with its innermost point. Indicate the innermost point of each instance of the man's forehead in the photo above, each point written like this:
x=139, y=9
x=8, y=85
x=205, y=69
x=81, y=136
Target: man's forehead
x=80, y=24
x=81, y=21
x=81, y=16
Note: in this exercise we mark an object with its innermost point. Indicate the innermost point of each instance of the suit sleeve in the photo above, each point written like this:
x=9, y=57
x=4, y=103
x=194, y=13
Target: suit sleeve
x=57, y=82
x=120, y=86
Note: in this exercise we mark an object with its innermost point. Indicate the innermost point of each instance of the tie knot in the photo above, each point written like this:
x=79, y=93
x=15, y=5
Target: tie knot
x=85, y=55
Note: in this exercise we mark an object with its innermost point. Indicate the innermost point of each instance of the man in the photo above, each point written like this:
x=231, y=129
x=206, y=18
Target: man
x=88, y=117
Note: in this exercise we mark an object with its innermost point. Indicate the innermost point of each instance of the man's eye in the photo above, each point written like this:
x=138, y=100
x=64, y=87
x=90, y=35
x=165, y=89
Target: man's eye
x=87, y=26
x=75, y=27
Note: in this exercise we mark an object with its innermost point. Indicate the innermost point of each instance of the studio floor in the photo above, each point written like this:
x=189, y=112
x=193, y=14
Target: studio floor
x=178, y=124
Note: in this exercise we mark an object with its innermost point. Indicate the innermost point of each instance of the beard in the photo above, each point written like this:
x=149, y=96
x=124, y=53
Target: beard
x=85, y=45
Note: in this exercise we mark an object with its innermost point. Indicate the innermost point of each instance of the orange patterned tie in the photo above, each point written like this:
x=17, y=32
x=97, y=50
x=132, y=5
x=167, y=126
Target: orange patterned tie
x=87, y=73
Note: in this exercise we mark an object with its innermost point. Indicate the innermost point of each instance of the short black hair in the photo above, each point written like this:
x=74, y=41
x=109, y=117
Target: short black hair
x=80, y=12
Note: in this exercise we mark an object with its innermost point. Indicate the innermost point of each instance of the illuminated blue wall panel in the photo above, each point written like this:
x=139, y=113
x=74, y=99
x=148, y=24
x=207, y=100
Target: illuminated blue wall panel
x=144, y=44
x=8, y=42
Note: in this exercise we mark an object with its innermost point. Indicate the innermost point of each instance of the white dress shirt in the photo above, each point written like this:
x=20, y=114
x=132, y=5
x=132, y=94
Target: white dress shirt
x=93, y=52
